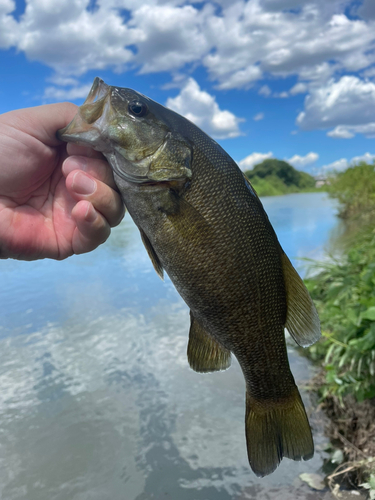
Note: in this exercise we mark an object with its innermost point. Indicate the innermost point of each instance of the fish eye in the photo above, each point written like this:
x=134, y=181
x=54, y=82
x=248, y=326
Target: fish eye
x=138, y=108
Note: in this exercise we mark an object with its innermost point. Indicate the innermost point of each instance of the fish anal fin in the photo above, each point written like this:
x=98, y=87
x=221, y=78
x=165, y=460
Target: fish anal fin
x=204, y=353
x=152, y=254
x=302, y=320
x=275, y=430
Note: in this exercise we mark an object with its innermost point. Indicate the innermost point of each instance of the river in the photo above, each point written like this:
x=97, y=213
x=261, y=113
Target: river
x=97, y=400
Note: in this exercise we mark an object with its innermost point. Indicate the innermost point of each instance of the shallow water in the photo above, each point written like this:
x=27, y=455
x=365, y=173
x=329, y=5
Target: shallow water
x=97, y=400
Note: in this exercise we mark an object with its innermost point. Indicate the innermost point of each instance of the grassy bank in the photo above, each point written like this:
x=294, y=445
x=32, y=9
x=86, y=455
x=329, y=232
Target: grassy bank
x=344, y=293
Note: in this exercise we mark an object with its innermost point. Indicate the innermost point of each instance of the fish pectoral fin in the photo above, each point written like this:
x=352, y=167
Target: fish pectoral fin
x=302, y=320
x=276, y=429
x=204, y=353
x=153, y=255
x=183, y=207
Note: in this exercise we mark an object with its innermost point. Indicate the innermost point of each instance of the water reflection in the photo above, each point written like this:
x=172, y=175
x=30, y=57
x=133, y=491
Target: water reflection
x=97, y=400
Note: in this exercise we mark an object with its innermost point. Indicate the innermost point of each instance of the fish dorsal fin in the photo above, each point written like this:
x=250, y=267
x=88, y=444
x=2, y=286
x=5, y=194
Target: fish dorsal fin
x=302, y=320
x=204, y=353
x=152, y=254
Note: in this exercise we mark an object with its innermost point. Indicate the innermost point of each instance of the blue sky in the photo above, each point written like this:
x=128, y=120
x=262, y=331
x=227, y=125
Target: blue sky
x=291, y=79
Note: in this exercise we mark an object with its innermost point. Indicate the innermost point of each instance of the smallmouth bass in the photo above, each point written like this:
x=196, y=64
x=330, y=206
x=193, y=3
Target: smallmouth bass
x=202, y=222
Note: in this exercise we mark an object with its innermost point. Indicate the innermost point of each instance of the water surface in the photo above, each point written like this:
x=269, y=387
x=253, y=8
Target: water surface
x=97, y=400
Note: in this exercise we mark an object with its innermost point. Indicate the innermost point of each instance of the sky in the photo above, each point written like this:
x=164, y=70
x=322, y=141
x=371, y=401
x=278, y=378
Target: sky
x=287, y=79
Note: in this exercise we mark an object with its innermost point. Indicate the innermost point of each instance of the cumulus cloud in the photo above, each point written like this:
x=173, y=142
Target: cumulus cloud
x=67, y=94
x=281, y=95
x=67, y=37
x=253, y=159
x=343, y=132
x=9, y=28
x=258, y=117
x=336, y=166
x=340, y=132
x=241, y=79
x=314, y=39
x=302, y=161
x=367, y=157
x=348, y=103
x=201, y=108
x=265, y=90
x=299, y=88
x=171, y=36
x=238, y=45
x=343, y=163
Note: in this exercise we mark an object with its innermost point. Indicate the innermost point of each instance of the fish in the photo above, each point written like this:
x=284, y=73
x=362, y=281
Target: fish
x=203, y=224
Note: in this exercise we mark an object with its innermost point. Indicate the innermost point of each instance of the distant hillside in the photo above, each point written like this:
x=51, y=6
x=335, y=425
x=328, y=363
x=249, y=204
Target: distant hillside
x=275, y=177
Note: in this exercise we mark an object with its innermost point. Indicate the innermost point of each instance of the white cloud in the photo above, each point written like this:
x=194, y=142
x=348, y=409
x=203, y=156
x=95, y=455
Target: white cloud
x=367, y=157
x=171, y=36
x=299, y=88
x=253, y=159
x=343, y=132
x=237, y=45
x=265, y=90
x=348, y=103
x=72, y=40
x=343, y=163
x=258, y=117
x=242, y=79
x=336, y=166
x=340, y=132
x=9, y=28
x=201, y=108
x=63, y=81
x=63, y=94
x=316, y=39
x=281, y=95
x=302, y=161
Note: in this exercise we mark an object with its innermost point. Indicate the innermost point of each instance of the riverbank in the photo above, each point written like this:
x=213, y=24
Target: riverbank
x=344, y=295
x=267, y=187
x=343, y=291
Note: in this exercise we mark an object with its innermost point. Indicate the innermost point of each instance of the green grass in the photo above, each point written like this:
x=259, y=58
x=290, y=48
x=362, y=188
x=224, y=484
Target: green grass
x=344, y=292
x=344, y=295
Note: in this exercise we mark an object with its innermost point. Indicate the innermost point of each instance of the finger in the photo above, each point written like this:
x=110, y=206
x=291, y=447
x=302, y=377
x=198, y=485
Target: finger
x=105, y=200
x=77, y=150
x=42, y=122
x=92, y=228
x=95, y=167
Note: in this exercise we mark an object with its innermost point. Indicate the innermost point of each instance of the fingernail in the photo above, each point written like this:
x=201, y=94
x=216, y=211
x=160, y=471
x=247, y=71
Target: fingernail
x=74, y=163
x=91, y=214
x=82, y=184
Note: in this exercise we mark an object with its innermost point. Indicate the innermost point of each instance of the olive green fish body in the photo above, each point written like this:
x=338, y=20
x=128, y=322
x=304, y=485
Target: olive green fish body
x=202, y=223
x=220, y=251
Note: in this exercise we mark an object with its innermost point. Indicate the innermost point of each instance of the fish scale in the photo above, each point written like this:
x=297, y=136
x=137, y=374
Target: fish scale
x=202, y=222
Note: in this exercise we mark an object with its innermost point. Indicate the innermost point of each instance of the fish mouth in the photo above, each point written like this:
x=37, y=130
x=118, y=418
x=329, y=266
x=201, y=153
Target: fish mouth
x=88, y=128
x=82, y=129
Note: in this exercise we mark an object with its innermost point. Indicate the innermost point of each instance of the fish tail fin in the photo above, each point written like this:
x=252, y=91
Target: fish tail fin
x=276, y=429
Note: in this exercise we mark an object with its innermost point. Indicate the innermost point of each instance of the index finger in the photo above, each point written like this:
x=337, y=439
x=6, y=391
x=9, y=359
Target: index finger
x=42, y=122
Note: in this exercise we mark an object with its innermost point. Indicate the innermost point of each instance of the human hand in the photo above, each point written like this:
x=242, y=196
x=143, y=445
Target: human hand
x=56, y=199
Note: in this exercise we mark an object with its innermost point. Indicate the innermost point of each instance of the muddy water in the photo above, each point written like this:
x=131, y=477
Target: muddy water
x=96, y=397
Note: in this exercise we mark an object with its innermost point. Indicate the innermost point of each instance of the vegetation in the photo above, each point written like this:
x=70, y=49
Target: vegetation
x=275, y=177
x=344, y=293
x=355, y=190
